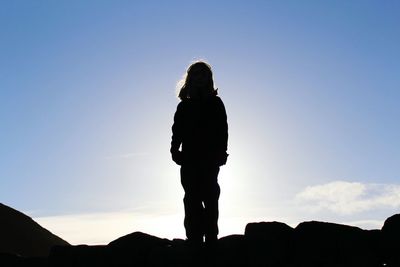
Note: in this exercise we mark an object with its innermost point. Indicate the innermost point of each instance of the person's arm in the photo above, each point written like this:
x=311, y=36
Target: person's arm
x=222, y=134
x=176, y=142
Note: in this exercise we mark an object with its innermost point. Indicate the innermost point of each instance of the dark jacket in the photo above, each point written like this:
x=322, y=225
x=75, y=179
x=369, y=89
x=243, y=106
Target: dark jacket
x=200, y=126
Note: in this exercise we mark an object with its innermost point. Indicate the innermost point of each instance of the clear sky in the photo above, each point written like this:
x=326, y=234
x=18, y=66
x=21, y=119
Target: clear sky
x=87, y=97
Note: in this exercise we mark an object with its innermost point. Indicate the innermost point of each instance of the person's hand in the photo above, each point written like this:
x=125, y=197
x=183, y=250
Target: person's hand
x=177, y=157
x=222, y=158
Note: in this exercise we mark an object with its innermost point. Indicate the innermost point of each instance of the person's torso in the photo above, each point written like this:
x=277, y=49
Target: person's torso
x=201, y=124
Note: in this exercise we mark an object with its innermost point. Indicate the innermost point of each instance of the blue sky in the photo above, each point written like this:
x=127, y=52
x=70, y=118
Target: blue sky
x=87, y=96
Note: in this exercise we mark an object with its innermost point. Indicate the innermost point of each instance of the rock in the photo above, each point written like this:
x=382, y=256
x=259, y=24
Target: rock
x=81, y=255
x=269, y=243
x=230, y=251
x=23, y=236
x=13, y=260
x=329, y=244
x=8, y=259
x=390, y=241
x=175, y=254
x=135, y=248
x=311, y=244
x=178, y=253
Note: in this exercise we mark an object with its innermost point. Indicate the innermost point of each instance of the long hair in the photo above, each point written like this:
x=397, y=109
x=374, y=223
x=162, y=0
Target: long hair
x=190, y=89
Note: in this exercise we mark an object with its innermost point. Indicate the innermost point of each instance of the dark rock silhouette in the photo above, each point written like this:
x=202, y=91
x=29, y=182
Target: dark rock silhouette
x=322, y=244
x=81, y=255
x=390, y=240
x=230, y=251
x=310, y=244
x=21, y=235
x=135, y=248
x=274, y=237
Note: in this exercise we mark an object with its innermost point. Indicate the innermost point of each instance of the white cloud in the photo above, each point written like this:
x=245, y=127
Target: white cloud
x=347, y=198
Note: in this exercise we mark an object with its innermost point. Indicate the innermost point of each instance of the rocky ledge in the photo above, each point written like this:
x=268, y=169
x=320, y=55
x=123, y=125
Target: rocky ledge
x=263, y=244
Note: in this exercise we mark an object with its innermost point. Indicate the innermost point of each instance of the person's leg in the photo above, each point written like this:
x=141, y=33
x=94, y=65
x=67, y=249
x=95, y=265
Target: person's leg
x=211, y=196
x=193, y=204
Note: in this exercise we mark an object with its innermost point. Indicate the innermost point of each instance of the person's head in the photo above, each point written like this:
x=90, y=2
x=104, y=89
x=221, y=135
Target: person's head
x=198, y=82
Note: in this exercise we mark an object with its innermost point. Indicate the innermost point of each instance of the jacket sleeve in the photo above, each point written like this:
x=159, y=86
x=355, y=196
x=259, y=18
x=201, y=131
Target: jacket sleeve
x=177, y=133
x=222, y=134
x=223, y=131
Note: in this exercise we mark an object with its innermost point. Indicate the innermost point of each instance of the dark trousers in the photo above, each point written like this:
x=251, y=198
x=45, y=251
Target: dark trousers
x=201, y=201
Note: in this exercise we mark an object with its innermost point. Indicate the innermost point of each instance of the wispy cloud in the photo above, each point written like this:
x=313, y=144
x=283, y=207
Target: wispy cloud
x=346, y=198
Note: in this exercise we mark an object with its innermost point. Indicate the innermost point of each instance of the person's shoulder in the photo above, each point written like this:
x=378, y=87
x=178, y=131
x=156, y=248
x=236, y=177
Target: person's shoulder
x=183, y=104
x=217, y=100
x=179, y=106
x=214, y=98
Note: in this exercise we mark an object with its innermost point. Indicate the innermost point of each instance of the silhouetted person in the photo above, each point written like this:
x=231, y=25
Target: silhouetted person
x=200, y=129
